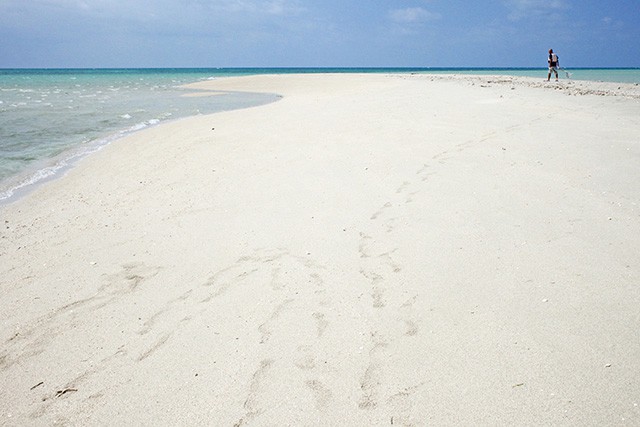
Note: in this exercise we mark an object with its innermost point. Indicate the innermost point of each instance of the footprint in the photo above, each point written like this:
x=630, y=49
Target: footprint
x=363, y=247
x=403, y=187
x=251, y=403
x=321, y=393
x=377, y=291
x=381, y=210
x=372, y=377
x=411, y=328
x=406, y=309
x=321, y=323
x=307, y=360
x=266, y=329
x=401, y=404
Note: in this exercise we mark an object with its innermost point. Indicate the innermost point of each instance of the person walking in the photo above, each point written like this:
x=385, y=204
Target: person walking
x=554, y=63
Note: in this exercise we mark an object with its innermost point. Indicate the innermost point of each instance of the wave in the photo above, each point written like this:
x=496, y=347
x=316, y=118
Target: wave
x=65, y=161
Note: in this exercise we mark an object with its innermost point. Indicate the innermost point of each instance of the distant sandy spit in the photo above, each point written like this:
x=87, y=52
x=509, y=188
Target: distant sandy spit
x=371, y=249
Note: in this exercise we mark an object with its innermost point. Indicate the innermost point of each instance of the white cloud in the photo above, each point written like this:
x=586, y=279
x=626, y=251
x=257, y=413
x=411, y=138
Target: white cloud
x=534, y=8
x=412, y=15
x=136, y=8
x=610, y=23
x=272, y=7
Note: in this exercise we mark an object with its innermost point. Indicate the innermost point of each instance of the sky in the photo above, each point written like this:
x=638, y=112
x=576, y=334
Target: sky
x=318, y=33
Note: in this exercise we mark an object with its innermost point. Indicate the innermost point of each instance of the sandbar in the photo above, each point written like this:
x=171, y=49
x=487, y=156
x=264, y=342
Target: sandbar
x=371, y=249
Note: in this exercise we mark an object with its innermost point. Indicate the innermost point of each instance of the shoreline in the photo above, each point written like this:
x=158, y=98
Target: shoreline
x=370, y=249
x=480, y=71
x=49, y=169
x=53, y=168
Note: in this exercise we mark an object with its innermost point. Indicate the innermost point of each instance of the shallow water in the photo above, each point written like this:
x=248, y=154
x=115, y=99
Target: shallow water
x=48, y=119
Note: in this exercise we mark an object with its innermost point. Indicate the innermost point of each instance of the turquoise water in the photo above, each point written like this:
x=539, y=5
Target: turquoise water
x=616, y=75
x=50, y=118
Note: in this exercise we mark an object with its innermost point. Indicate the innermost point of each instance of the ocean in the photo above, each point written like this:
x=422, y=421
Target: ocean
x=50, y=118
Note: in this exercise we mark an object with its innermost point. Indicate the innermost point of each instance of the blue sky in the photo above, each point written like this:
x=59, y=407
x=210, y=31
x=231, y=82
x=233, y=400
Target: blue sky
x=320, y=33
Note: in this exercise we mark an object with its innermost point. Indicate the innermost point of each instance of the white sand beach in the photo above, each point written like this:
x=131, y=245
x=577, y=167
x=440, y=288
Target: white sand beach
x=369, y=250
